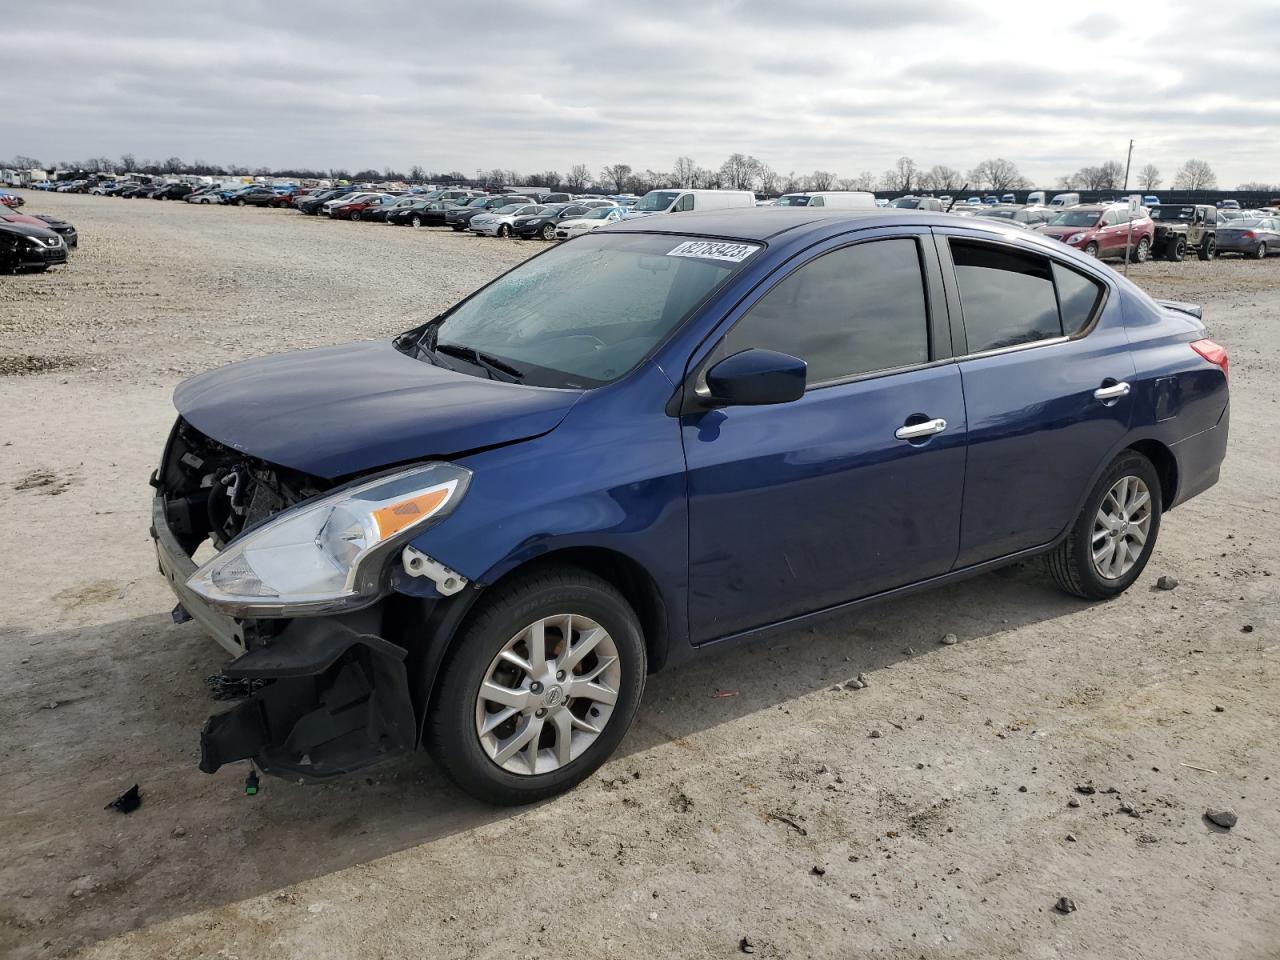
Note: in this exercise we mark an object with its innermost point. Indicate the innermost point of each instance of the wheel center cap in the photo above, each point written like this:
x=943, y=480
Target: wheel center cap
x=553, y=697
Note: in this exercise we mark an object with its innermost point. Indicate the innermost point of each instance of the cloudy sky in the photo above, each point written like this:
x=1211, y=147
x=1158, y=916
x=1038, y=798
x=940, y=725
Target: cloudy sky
x=842, y=85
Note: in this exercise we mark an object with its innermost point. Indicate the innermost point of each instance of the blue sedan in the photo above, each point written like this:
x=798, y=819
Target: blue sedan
x=650, y=441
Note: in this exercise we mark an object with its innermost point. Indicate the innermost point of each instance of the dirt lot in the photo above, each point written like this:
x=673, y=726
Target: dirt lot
x=932, y=814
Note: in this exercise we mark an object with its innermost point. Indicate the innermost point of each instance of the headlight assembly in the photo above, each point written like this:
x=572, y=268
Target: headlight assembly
x=328, y=554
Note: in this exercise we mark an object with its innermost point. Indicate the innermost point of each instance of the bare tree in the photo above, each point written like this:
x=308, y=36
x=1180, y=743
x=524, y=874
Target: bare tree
x=173, y=165
x=1069, y=181
x=998, y=174
x=683, y=172
x=549, y=178
x=25, y=163
x=767, y=179
x=578, y=177
x=791, y=183
x=617, y=175
x=1149, y=177
x=739, y=171
x=1257, y=186
x=417, y=174
x=497, y=177
x=1111, y=175
x=866, y=180
x=1195, y=175
x=820, y=180
x=902, y=175
x=946, y=178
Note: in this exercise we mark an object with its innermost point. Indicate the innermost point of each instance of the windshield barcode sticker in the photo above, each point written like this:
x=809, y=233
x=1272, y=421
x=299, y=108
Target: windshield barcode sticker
x=714, y=250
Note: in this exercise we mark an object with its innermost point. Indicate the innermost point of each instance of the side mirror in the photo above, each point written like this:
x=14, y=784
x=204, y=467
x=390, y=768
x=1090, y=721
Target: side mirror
x=756, y=377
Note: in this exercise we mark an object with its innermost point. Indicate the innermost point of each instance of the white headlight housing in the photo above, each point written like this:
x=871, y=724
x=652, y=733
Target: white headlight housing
x=1075, y=238
x=328, y=554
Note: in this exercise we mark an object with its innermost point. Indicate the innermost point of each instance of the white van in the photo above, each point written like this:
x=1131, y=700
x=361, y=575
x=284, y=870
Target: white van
x=1065, y=200
x=839, y=199
x=680, y=201
x=1035, y=198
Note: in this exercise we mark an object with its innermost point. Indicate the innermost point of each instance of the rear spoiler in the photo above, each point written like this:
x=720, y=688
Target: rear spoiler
x=1194, y=309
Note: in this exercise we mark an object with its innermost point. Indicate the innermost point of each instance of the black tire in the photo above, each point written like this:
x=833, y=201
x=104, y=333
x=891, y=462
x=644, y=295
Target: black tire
x=450, y=734
x=1091, y=249
x=548, y=231
x=457, y=228
x=1208, y=249
x=504, y=231
x=239, y=202
x=415, y=221
x=1071, y=562
x=1143, y=253
x=1261, y=252
x=356, y=215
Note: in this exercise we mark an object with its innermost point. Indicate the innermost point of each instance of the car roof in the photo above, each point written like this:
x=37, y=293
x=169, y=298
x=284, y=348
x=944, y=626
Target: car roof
x=763, y=223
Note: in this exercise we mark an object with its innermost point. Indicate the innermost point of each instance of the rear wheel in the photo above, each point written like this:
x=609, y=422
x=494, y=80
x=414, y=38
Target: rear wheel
x=1112, y=538
x=457, y=228
x=1208, y=248
x=1261, y=252
x=540, y=687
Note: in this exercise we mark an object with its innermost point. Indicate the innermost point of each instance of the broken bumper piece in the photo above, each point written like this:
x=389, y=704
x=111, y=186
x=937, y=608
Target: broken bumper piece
x=338, y=700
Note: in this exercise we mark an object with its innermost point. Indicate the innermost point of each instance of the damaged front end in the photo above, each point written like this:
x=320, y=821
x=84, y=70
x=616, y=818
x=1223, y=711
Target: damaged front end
x=310, y=585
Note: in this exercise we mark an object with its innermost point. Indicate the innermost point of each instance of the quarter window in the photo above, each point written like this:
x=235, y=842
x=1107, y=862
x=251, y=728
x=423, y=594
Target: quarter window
x=1078, y=296
x=1007, y=297
x=851, y=311
x=817, y=202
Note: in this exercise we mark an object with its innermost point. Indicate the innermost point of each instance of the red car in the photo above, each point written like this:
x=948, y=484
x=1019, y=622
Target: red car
x=11, y=200
x=355, y=209
x=284, y=199
x=1104, y=231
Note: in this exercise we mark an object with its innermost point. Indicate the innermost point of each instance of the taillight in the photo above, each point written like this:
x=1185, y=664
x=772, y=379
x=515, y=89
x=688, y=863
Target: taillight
x=1249, y=234
x=1214, y=353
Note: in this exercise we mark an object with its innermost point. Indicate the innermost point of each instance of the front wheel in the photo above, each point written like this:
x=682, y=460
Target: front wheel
x=415, y=221
x=539, y=689
x=1177, y=249
x=1091, y=249
x=1143, y=253
x=355, y=215
x=239, y=203
x=548, y=232
x=504, y=231
x=1111, y=540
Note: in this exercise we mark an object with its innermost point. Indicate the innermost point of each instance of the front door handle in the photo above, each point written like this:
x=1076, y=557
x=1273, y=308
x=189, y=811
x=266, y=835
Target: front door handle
x=1113, y=392
x=918, y=431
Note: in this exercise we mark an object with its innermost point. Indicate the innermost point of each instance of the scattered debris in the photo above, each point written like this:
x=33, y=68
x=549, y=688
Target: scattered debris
x=1194, y=767
x=178, y=832
x=854, y=684
x=874, y=734
x=1218, y=708
x=127, y=802
x=862, y=679
x=1167, y=582
x=1073, y=802
x=653, y=915
x=1023, y=788
x=949, y=640
x=1088, y=789
x=1071, y=838
x=818, y=871
x=1247, y=628
x=22, y=364
x=1065, y=905
x=773, y=815
x=1223, y=818
x=721, y=694
x=746, y=946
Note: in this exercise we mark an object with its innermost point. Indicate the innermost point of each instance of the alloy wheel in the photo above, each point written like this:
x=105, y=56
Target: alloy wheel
x=1120, y=527
x=548, y=694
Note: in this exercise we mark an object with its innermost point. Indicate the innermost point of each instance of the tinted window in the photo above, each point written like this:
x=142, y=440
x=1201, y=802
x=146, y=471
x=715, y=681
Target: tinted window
x=848, y=312
x=1077, y=297
x=1007, y=297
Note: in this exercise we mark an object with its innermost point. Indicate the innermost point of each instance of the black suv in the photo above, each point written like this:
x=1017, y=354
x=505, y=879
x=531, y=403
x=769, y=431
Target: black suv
x=1185, y=226
x=173, y=191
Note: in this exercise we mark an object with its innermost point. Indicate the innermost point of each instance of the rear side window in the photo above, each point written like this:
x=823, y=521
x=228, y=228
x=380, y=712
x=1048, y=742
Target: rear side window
x=817, y=202
x=1078, y=297
x=851, y=311
x=1007, y=296
x=686, y=203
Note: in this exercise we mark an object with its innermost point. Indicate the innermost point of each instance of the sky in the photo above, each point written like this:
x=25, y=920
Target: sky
x=838, y=85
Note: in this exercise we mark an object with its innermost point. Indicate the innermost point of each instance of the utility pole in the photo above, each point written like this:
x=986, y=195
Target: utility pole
x=1128, y=160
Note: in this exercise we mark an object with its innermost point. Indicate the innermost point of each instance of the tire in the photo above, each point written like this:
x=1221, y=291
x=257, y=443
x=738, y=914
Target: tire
x=239, y=202
x=457, y=229
x=1261, y=252
x=1143, y=253
x=504, y=231
x=415, y=221
x=548, y=232
x=1072, y=562
x=1208, y=249
x=1176, y=249
x=453, y=735
x=1091, y=249
x=356, y=216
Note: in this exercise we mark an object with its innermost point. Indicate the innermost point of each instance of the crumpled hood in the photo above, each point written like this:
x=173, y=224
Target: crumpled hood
x=342, y=410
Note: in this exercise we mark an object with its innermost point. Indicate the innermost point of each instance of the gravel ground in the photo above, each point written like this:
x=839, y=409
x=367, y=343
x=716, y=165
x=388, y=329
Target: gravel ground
x=1058, y=749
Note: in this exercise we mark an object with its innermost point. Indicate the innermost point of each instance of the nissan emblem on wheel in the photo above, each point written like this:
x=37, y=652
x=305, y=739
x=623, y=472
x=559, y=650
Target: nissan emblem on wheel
x=480, y=537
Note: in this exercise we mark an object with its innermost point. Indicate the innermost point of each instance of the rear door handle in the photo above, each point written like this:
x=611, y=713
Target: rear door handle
x=917, y=431
x=1113, y=392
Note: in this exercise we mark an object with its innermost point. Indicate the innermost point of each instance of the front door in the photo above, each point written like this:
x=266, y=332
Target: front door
x=851, y=490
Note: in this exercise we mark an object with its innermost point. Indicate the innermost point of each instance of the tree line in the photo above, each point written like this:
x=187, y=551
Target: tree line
x=738, y=172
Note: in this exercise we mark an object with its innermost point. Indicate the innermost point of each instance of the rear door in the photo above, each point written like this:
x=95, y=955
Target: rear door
x=854, y=488
x=1047, y=377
